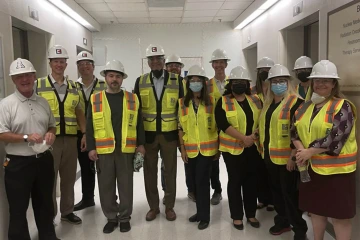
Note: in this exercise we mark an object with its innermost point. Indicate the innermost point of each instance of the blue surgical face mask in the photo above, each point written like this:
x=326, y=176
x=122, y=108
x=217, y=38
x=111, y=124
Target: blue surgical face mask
x=196, y=86
x=279, y=88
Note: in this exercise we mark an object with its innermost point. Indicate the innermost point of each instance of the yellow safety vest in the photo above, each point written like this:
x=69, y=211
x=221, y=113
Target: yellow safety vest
x=103, y=130
x=213, y=90
x=168, y=103
x=320, y=127
x=200, y=131
x=307, y=96
x=237, y=119
x=254, y=92
x=97, y=87
x=46, y=89
x=279, y=132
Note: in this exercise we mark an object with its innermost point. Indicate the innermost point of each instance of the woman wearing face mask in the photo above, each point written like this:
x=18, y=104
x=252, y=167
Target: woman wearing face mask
x=303, y=67
x=274, y=129
x=262, y=68
x=324, y=134
x=237, y=114
x=198, y=137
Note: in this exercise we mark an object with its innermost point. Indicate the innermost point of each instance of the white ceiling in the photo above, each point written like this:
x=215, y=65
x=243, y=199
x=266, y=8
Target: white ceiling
x=137, y=11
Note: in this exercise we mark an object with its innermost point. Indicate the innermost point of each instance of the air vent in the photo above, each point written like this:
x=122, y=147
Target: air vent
x=165, y=3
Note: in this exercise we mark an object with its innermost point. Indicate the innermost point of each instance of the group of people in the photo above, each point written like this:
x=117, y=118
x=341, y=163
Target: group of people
x=267, y=134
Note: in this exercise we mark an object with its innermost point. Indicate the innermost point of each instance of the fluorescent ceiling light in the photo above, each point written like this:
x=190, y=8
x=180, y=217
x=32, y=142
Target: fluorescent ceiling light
x=265, y=6
x=74, y=15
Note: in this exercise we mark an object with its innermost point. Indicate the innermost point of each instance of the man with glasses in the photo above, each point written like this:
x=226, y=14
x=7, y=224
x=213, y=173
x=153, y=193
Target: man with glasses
x=63, y=99
x=87, y=84
x=303, y=67
x=158, y=92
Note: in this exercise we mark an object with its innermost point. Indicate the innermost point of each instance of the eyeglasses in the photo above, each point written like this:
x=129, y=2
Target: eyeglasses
x=81, y=64
x=323, y=81
x=280, y=81
x=155, y=58
x=195, y=80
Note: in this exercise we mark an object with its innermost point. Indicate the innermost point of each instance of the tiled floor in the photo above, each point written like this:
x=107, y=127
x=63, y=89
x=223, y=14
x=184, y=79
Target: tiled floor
x=160, y=229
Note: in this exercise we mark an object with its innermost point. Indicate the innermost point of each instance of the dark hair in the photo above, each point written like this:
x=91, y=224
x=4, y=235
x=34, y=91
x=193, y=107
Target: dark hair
x=258, y=84
x=107, y=71
x=204, y=96
x=228, y=90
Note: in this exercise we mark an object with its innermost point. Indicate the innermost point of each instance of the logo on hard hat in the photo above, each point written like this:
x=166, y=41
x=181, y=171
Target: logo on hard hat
x=20, y=65
x=58, y=51
x=154, y=49
x=84, y=54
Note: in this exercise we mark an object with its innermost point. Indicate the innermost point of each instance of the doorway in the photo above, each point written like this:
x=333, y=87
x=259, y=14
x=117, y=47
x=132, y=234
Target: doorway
x=251, y=59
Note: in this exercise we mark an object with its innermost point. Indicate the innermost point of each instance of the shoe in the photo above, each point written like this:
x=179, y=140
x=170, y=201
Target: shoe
x=254, y=224
x=191, y=196
x=125, y=226
x=110, y=227
x=300, y=237
x=151, y=215
x=239, y=226
x=216, y=198
x=193, y=218
x=202, y=225
x=71, y=218
x=278, y=230
x=270, y=208
x=84, y=204
x=170, y=214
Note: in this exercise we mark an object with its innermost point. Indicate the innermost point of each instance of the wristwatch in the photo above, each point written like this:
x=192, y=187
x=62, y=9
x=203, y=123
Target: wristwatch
x=293, y=158
x=25, y=138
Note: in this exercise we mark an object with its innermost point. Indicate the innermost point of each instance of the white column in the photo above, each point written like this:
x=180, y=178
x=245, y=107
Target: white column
x=4, y=207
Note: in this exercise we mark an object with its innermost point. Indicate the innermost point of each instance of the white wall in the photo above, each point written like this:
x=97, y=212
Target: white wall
x=65, y=31
x=127, y=43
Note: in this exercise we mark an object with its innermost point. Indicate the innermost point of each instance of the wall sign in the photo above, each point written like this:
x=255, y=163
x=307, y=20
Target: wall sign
x=344, y=44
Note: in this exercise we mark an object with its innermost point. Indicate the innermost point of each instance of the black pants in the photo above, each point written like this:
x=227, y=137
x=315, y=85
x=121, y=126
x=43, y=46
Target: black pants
x=242, y=176
x=284, y=188
x=25, y=176
x=200, y=167
x=215, y=176
x=87, y=172
x=264, y=191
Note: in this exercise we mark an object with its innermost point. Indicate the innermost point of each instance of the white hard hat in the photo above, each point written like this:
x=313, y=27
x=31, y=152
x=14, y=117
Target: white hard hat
x=239, y=73
x=154, y=50
x=174, y=58
x=114, y=65
x=196, y=70
x=20, y=66
x=303, y=62
x=324, y=69
x=219, y=54
x=265, y=62
x=278, y=70
x=57, y=51
x=84, y=55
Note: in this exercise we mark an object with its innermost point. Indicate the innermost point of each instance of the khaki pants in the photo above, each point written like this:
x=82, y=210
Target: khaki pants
x=116, y=167
x=168, y=151
x=65, y=164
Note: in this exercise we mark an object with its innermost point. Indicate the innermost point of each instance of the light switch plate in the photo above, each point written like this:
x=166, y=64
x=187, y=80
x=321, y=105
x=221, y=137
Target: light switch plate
x=33, y=13
x=298, y=8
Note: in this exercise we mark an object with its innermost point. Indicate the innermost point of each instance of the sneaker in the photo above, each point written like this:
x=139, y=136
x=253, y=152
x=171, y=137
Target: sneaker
x=71, y=218
x=216, y=198
x=191, y=196
x=125, y=226
x=110, y=227
x=278, y=230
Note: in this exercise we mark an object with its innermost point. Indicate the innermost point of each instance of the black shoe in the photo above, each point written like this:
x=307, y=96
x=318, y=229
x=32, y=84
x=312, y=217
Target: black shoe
x=110, y=227
x=216, y=198
x=254, y=224
x=125, y=226
x=202, y=225
x=193, y=218
x=84, y=204
x=300, y=237
x=71, y=218
x=239, y=226
x=278, y=230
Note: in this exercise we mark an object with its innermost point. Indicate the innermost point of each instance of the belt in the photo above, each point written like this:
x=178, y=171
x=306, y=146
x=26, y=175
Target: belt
x=39, y=155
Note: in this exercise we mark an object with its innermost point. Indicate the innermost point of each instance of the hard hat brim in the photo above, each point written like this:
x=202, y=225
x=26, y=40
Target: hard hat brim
x=18, y=73
x=102, y=73
x=301, y=68
x=85, y=59
x=187, y=76
x=182, y=65
x=324, y=76
x=228, y=60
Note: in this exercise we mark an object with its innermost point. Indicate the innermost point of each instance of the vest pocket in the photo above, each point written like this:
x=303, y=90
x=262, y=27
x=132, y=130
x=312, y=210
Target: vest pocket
x=144, y=95
x=98, y=121
x=50, y=97
x=171, y=100
x=232, y=118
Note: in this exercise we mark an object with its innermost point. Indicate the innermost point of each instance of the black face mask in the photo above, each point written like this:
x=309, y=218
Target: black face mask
x=157, y=73
x=263, y=75
x=239, y=88
x=302, y=76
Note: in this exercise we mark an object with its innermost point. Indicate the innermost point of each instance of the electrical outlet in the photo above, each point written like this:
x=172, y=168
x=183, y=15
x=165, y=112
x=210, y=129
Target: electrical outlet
x=33, y=14
x=249, y=39
x=298, y=8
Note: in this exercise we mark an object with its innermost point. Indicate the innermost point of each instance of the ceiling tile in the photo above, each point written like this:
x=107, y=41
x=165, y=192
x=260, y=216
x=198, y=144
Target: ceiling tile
x=205, y=1
x=205, y=13
x=165, y=14
x=131, y=14
x=124, y=1
x=229, y=13
x=133, y=20
x=235, y=5
x=203, y=6
x=101, y=14
x=89, y=1
x=224, y=19
x=165, y=20
x=98, y=7
x=166, y=8
x=197, y=19
x=107, y=20
x=133, y=7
